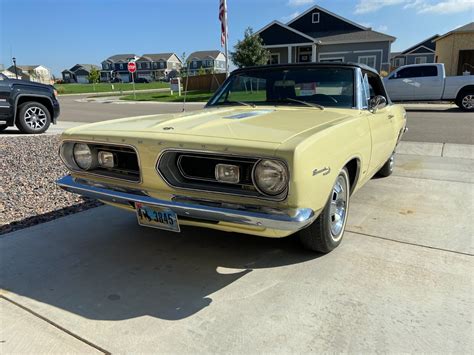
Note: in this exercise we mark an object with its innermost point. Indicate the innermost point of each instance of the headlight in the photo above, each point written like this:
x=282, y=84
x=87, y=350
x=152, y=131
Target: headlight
x=83, y=156
x=271, y=177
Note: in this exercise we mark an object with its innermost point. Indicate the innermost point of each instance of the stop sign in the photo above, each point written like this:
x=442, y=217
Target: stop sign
x=132, y=67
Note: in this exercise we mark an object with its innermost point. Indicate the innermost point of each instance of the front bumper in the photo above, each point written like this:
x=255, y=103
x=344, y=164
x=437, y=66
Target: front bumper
x=290, y=220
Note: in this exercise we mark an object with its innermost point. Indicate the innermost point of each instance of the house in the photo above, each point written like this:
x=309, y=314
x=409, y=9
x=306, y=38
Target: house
x=456, y=50
x=36, y=73
x=79, y=73
x=420, y=53
x=8, y=74
x=318, y=35
x=211, y=61
x=116, y=67
x=158, y=66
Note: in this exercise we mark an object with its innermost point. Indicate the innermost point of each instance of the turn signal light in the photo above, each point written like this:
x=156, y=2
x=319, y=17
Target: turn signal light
x=226, y=173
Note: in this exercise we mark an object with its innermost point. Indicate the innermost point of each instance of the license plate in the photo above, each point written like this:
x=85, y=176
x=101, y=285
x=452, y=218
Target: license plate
x=157, y=217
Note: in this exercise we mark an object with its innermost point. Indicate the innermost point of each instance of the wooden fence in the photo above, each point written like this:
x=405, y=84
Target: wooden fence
x=208, y=82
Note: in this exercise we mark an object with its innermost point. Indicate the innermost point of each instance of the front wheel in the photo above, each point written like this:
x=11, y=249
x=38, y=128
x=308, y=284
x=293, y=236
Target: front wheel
x=33, y=117
x=327, y=231
x=387, y=169
x=465, y=101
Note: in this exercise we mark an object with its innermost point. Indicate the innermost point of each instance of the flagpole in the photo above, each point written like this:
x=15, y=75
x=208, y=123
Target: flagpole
x=226, y=40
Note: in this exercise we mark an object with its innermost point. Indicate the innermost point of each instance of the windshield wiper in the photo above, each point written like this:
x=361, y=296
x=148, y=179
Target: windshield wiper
x=310, y=104
x=240, y=103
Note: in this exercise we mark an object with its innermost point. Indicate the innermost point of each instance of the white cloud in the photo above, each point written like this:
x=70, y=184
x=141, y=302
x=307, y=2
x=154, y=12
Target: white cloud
x=296, y=3
x=420, y=6
x=290, y=17
x=447, y=7
x=366, y=6
x=382, y=28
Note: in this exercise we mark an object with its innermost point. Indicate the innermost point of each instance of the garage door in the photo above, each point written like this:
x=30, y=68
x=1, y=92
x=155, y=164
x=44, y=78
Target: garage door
x=125, y=77
x=82, y=79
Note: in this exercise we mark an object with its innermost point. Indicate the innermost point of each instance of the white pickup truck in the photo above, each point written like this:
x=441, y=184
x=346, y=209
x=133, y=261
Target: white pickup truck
x=428, y=82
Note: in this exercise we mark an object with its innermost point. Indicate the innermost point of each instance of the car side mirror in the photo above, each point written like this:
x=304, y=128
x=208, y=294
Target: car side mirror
x=376, y=103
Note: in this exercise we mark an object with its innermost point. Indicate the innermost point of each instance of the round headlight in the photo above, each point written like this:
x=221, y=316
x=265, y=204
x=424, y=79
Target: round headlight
x=271, y=177
x=83, y=156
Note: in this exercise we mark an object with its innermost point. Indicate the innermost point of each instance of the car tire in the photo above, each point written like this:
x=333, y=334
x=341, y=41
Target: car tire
x=387, y=169
x=3, y=127
x=33, y=118
x=465, y=101
x=326, y=233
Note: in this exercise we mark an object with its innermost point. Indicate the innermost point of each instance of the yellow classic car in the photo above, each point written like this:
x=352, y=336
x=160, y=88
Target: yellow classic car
x=278, y=150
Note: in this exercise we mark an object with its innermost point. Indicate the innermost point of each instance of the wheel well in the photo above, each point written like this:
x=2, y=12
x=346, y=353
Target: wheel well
x=42, y=100
x=464, y=89
x=353, y=167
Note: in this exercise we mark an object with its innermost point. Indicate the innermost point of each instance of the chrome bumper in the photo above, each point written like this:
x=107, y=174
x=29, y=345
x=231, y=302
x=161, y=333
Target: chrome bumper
x=197, y=209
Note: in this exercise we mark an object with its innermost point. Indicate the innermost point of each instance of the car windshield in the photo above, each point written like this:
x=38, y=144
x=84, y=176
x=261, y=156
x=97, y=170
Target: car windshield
x=324, y=86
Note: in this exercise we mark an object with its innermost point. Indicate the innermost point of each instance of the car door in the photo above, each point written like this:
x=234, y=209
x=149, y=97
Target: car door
x=401, y=84
x=431, y=84
x=5, y=105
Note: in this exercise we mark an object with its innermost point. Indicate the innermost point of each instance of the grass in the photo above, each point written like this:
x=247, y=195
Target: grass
x=106, y=87
x=197, y=96
x=192, y=96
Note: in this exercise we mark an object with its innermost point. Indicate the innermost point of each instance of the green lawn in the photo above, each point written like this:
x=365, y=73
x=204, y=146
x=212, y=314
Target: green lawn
x=106, y=87
x=192, y=96
x=197, y=96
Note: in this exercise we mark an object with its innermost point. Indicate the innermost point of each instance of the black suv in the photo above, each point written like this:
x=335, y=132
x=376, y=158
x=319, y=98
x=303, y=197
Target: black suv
x=30, y=106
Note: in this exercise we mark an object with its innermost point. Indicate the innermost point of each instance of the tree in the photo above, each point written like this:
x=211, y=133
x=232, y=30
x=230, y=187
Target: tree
x=202, y=71
x=250, y=51
x=94, y=76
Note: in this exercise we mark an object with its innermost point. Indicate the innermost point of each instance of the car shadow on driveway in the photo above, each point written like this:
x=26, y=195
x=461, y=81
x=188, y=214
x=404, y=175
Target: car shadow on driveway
x=100, y=265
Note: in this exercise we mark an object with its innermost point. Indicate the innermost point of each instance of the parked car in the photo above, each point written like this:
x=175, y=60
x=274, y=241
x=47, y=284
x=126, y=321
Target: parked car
x=142, y=80
x=278, y=150
x=28, y=105
x=428, y=82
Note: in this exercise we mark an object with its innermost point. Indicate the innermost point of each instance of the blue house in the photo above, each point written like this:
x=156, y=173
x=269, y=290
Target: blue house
x=318, y=35
x=420, y=53
x=116, y=67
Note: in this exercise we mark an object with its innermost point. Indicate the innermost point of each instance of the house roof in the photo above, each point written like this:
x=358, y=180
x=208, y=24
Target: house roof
x=420, y=44
x=154, y=57
x=26, y=67
x=316, y=7
x=355, y=36
x=466, y=28
x=394, y=54
x=121, y=57
x=205, y=54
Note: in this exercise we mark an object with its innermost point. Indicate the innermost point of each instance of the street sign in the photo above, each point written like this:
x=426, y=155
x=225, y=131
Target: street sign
x=132, y=67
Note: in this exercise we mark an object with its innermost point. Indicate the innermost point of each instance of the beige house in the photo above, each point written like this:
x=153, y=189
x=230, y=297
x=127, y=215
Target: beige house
x=37, y=73
x=456, y=50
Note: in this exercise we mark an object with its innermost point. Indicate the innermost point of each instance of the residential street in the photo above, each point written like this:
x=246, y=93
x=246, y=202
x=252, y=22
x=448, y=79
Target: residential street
x=447, y=125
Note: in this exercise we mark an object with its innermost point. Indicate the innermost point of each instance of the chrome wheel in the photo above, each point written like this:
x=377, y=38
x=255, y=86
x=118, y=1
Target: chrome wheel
x=468, y=102
x=391, y=162
x=35, y=118
x=338, y=208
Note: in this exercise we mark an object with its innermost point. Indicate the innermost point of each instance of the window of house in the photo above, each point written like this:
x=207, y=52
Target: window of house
x=399, y=62
x=162, y=65
x=315, y=17
x=195, y=64
x=274, y=58
x=420, y=60
x=369, y=60
x=121, y=65
x=106, y=66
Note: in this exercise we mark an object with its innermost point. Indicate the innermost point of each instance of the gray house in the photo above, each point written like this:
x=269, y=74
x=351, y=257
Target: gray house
x=318, y=35
x=79, y=73
x=116, y=67
x=158, y=66
x=420, y=53
x=211, y=61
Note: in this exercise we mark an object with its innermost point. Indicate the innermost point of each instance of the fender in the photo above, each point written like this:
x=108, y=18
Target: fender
x=15, y=106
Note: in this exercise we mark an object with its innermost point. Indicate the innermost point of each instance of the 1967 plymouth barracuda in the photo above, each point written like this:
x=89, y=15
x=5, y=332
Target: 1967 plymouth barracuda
x=278, y=150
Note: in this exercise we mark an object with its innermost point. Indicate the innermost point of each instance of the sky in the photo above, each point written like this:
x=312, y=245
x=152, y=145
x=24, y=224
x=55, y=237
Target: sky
x=61, y=33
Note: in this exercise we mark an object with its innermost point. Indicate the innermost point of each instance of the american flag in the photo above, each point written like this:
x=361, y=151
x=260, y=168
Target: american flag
x=223, y=19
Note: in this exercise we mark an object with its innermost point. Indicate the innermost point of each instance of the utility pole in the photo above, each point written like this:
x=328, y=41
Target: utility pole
x=14, y=65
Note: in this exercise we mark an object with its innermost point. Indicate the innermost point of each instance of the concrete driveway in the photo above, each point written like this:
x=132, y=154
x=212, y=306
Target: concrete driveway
x=402, y=281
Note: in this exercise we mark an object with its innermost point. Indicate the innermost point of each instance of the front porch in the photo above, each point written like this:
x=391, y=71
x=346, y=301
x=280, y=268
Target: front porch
x=286, y=54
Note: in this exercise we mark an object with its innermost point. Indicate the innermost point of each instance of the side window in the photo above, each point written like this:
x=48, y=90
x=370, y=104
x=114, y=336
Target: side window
x=429, y=70
x=410, y=72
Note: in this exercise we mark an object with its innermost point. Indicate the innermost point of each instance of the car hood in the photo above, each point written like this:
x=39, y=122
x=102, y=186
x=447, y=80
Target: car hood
x=272, y=125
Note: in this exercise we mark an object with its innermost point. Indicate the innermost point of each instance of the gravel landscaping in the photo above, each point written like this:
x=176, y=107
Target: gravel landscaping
x=29, y=166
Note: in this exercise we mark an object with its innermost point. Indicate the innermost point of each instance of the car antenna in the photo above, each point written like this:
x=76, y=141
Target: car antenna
x=186, y=86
